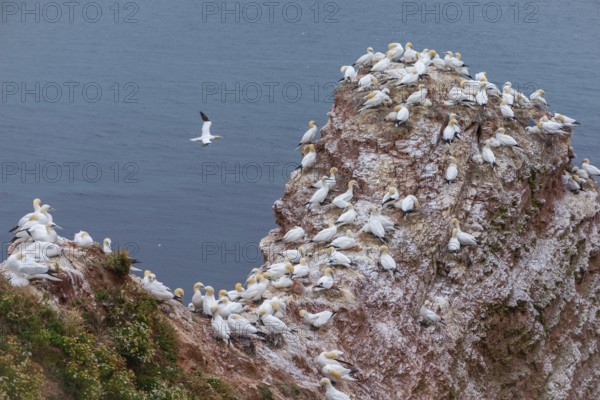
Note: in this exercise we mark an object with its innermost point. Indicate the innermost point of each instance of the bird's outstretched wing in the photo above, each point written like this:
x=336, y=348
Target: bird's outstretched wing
x=204, y=117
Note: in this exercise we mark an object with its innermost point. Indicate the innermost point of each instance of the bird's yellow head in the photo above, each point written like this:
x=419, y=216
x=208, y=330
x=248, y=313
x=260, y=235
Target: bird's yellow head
x=330, y=222
x=262, y=312
x=369, y=49
x=209, y=290
x=312, y=124
x=239, y=287
x=352, y=183
x=222, y=293
x=302, y=313
x=375, y=81
x=328, y=271
x=432, y=53
x=452, y=159
x=398, y=107
x=311, y=148
x=586, y=161
x=324, y=382
x=458, y=55
x=383, y=249
x=409, y=45
x=36, y=202
x=303, y=261
x=330, y=250
x=501, y=130
x=333, y=170
x=179, y=292
x=147, y=273
x=289, y=268
x=198, y=286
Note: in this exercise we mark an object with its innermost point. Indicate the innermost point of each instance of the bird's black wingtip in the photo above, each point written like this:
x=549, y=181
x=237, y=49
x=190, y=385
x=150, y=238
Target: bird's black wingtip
x=204, y=117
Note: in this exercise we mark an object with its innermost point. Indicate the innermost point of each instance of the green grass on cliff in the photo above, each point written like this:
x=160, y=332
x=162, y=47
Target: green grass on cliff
x=124, y=351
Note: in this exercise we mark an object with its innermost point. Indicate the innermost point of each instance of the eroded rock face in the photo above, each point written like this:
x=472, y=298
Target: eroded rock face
x=522, y=321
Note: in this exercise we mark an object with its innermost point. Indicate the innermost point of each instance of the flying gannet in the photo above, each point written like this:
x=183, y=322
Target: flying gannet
x=451, y=170
x=463, y=237
x=206, y=138
x=326, y=281
x=338, y=258
x=332, y=393
x=386, y=261
x=316, y=320
x=344, y=242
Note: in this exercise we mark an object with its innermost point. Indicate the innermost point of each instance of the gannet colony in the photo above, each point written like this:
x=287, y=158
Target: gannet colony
x=439, y=240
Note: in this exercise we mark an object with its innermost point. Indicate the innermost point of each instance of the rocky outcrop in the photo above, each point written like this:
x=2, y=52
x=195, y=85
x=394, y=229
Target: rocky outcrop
x=522, y=319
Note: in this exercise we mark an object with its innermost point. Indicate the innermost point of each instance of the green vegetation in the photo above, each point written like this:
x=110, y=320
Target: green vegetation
x=118, y=262
x=121, y=348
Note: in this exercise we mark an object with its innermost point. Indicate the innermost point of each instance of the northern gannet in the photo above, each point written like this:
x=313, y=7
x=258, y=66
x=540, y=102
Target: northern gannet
x=316, y=320
x=343, y=199
x=106, y=243
x=294, y=255
x=463, y=237
x=330, y=180
x=418, y=97
x=198, y=298
x=240, y=326
x=273, y=325
x=294, y=235
x=206, y=138
x=348, y=217
x=410, y=55
x=550, y=127
x=391, y=194
x=226, y=307
x=396, y=73
x=409, y=79
x=319, y=195
x=209, y=300
x=349, y=73
x=428, y=315
x=326, y=234
x=301, y=269
x=376, y=98
x=337, y=372
x=330, y=357
x=277, y=270
x=507, y=96
x=383, y=64
x=178, y=295
x=396, y=49
x=338, y=258
x=157, y=289
x=402, y=114
x=537, y=98
x=43, y=233
x=386, y=261
x=365, y=59
x=573, y=184
x=344, y=242
x=457, y=96
x=408, y=204
x=237, y=293
x=83, y=239
x=453, y=243
x=488, y=154
x=36, y=210
x=481, y=97
x=19, y=263
x=451, y=170
x=254, y=292
x=506, y=111
x=367, y=81
x=522, y=100
x=40, y=251
x=378, y=56
x=580, y=172
x=374, y=225
x=590, y=169
x=309, y=158
x=566, y=121
x=326, y=281
x=451, y=130
x=284, y=281
x=508, y=87
x=310, y=134
x=504, y=139
x=219, y=326
x=332, y=393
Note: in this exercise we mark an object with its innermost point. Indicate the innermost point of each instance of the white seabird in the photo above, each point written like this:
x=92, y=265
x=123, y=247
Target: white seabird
x=272, y=325
x=383, y=64
x=537, y=98
x=330, y=180
x=402, y=114
x=209, y=300
x=310, y=134
x=454, y=243
x=506, y=111
x=106, y=243
x=319, y=195
x=309, y=158
x=338, y=258
x=83, y=239
x=198, y=298
x=316, y=320
x=589, y=168
x=344, y=242
x=326, y=234
x=464, y=238
x=451, y=130
x=408, y=204
x=332, y=393
x=391, y=194
x=349, y=73
x=337, y=372
x=451, y=170
x=376, y=98
x=206, y=138
x=418, y=97
x=488, y=154
x=365, y=59
x=566, y=121
x=301, y=269
x=294, y=235
x=343, y=199
x=504, y=139
x=386, y=261
x=367, y=81
x=43, y=233
x=396, y=50
x=348, y=217
x=428, y=315
x=219, y=326
x=409, y=79
x=410, y=55
x=325, y=281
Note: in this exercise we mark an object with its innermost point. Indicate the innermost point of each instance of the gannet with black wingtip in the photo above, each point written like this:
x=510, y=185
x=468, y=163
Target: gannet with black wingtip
x=488, y=154
x=506, y=111
x=83, y=239
x=402, y=114
x=24, y=219
x=338, y=258
x=226, y=307
x=522, y=101
x=409, y=79
x=316, y=320
x=219, y=326
x=365, y=59
x=294, y=254
x=22, y=235
x=157, y=289
x=504, y=139
x=277, y=270
x=374, y=225
x=106, y=243
x=367, y=81
x=198, y=297
x=550, y=127
x=428, y=314
x=255, y=292
x=589, y=168
x=344, y=242
x=43, y=233
x=20, y=270
x=206, y=138
x=40, y=251
x=343, y=199
x=349, y=73
x=408, y=204
x=391, y=194
x=326, y=234
x=451, y=170
x=294, y=235
x=383, y=64
x=410, y=55
x=178, y=295
x=272, y=325
x=284, y=281
x=309, y=159
x=418, y=97
x=566, y=121
x=310, y=134
x=454, y=243
x=348, y=217
x=320, y=194
x=330, y=180
x=537, y=98
x=376, y=98
x=301, y=269
x=237, y=293
x=337, y=372
x=325, y=281
x=209, y=300
x=451, y=130
x=332, y=393
x=396, y=49
x=330, y=357
x=457, y=96
x=464, y=238
x=396, y=73
x=386, y=261
x=240, y=326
